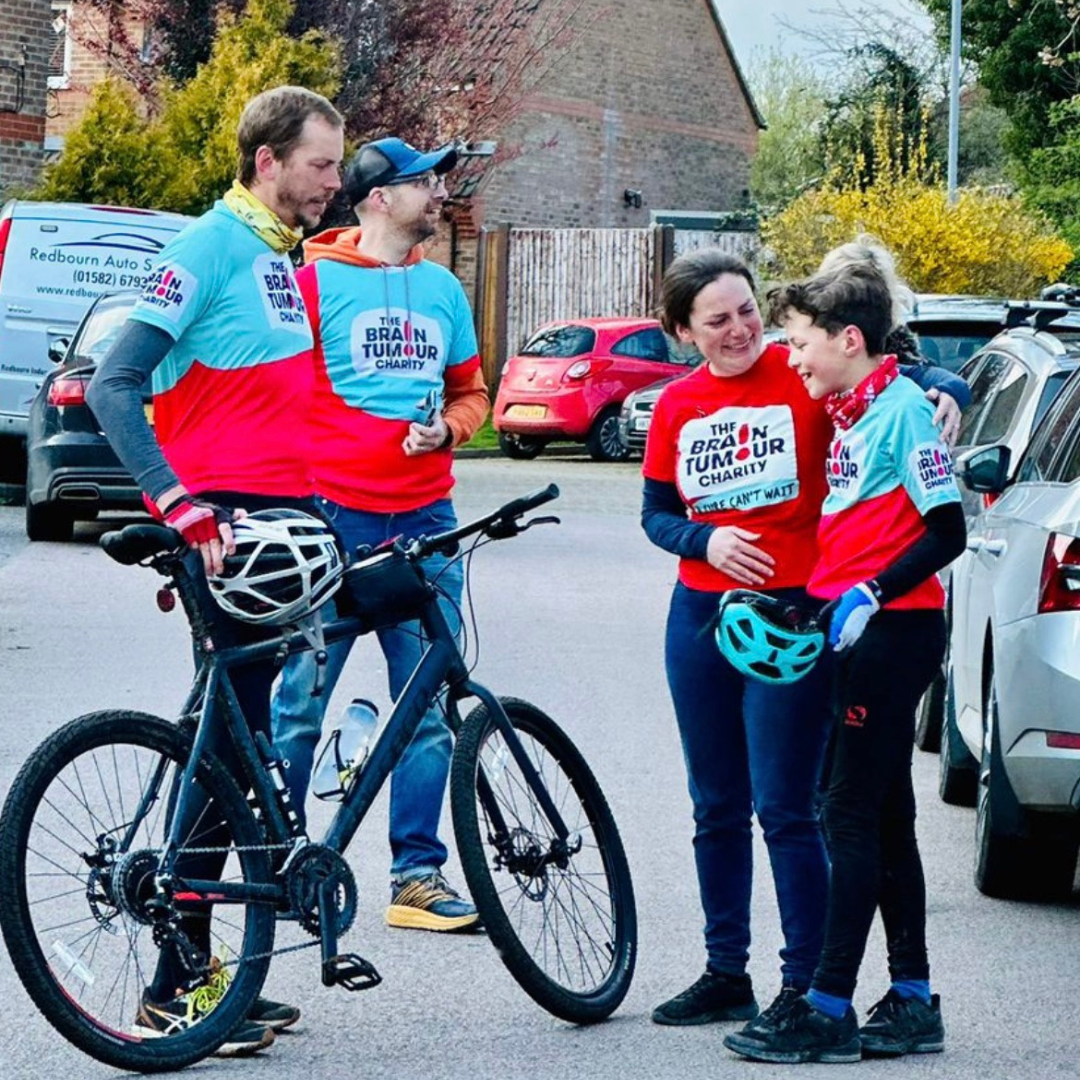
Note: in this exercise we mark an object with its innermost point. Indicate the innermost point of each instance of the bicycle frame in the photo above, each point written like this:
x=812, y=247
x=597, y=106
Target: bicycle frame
x=441, y=665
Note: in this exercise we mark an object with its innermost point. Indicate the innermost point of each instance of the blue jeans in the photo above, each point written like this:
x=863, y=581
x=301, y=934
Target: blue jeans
x=750, y=747
x=418, y=783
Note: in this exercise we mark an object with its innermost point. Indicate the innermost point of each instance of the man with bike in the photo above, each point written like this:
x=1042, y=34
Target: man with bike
x=222, y=327
x=398, y=384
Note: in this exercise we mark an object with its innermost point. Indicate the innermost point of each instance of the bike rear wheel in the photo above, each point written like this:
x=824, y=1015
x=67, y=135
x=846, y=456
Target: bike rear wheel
x=560, y=911
x=81, y=834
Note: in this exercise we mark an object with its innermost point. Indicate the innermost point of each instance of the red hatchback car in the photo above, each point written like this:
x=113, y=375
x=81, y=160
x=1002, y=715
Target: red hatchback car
x=571, y=377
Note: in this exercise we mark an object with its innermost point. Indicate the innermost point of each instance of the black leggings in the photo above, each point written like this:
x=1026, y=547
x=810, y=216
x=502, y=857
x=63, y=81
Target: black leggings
x=870, y=802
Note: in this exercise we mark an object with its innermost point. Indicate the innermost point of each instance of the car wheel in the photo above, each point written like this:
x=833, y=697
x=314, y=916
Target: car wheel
x=45, y=521
x=603, y=441
x=520, y=447
x=958, y=771
x=1017, y=857
x=928, y=719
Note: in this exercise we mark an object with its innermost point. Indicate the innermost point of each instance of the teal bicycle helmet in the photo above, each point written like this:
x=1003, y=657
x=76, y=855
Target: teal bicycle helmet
x=767, y=638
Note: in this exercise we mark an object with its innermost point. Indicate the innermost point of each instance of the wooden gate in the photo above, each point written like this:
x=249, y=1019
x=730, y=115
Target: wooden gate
x=527, y=277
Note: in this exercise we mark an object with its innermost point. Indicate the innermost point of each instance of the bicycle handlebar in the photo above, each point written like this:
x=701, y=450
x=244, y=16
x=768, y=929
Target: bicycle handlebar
x=499, y=524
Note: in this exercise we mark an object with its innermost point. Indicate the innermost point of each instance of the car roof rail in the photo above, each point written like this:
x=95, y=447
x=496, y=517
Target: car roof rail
x=1063, y=293
x=1036, y=313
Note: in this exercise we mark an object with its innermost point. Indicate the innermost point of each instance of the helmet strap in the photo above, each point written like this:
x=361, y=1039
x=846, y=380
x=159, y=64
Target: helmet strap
x=311, y=626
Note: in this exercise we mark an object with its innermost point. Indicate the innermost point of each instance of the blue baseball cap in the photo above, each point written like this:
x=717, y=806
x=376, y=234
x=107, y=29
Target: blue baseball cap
x=386, y=161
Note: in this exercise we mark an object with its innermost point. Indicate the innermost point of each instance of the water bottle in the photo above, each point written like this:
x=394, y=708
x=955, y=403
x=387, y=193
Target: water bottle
x=345, y=751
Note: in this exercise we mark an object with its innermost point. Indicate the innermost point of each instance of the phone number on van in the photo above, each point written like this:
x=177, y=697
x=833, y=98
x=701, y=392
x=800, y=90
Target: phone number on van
x=104, y=277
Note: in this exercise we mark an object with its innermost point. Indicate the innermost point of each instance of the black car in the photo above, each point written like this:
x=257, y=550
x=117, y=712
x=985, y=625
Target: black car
x=72, y=472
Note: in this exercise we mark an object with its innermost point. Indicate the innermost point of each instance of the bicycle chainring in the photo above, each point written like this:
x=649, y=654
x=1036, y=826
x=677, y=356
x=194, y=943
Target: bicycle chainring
x=305, y=875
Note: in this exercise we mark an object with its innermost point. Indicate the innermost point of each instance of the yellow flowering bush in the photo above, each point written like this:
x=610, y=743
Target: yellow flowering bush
x=985, y=243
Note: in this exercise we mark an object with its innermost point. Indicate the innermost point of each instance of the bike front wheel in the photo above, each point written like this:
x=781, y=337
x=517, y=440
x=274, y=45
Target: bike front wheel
x=81, y=840
x=559, y=908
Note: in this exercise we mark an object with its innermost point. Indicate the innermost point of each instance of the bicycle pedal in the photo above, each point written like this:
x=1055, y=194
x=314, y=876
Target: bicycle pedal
x=350, y=971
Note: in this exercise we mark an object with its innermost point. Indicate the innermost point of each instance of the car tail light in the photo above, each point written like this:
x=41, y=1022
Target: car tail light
x=69, y=390
x=579, y=370
x=1062, y=740
x=1059, y=586
x=5, y=228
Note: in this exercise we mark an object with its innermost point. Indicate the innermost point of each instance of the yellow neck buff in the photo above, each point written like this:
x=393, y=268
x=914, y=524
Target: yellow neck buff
x=261, y=220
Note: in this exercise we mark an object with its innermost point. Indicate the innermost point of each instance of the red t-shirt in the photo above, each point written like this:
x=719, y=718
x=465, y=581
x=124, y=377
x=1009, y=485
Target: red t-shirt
x=746, y=450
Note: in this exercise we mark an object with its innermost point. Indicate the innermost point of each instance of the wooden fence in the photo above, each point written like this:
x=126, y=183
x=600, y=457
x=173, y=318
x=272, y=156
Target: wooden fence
x=527, y=277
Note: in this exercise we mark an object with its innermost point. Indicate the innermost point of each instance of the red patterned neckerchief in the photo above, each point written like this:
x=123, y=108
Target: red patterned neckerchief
x=844, y=409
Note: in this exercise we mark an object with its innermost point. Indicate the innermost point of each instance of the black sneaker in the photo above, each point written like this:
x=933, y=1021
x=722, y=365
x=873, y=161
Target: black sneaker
x=902, y=1025
x=714, y=997
x=273, y=1014
x=802, y=1034
x=160, y=1020
x=771, y=1016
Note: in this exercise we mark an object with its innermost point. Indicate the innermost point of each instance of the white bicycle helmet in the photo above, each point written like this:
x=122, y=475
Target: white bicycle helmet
x=287, y=565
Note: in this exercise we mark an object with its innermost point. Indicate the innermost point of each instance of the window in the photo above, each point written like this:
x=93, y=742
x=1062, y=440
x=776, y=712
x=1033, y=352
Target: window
x=1068, y=468
x=999, y=416
x=649, y=344
x=982, y=392
x=1050, y=433
x=562, y=341
x=60, y=53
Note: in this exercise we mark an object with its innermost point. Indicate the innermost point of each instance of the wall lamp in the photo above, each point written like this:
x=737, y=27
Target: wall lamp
x=632, y=198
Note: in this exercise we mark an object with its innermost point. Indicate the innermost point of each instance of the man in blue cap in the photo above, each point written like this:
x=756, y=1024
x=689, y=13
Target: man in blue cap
x=398, y=385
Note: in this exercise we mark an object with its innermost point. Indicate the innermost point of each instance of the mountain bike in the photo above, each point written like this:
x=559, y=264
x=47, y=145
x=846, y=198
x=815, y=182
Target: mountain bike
x=107, y=831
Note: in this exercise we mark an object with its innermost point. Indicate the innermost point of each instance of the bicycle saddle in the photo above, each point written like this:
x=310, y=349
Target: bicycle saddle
x=134, y=543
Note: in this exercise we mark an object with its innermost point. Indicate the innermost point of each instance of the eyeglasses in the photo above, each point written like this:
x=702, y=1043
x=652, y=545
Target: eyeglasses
x=428, y=180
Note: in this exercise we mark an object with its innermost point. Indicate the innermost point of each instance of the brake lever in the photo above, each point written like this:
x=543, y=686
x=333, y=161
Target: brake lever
x=549, y=519
x=504, y=528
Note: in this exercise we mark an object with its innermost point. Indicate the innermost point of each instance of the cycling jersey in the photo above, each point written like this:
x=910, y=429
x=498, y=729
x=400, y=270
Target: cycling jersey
x=232, y=399
x=745, y=450
x=884, y=473
x=390, y=340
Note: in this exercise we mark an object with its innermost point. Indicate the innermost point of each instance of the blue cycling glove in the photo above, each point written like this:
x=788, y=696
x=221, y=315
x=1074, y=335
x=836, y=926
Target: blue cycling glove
x=852, y=613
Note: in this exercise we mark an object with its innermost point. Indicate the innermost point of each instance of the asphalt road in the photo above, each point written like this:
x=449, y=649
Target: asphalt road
x=572, y=618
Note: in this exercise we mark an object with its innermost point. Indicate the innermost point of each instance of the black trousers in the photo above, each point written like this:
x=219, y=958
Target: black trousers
x=202, y=824
x=869, y=807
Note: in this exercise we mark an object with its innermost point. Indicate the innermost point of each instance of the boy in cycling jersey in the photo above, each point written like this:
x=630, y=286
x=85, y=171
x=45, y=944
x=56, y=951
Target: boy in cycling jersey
x=890, y=521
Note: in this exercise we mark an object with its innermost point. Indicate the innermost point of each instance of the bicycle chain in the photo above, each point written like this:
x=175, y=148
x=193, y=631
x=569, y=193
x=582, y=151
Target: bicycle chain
x=251, y=847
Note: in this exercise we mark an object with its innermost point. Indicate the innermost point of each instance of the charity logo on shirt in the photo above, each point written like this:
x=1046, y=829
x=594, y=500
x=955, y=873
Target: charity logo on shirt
x=845, y=463
x=931, y=466
x=168, y=290
x=738, y=458
x=280, y=295
x=395, y=340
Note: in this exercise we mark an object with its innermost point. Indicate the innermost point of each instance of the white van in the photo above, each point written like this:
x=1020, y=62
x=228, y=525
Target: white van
x=55, y=259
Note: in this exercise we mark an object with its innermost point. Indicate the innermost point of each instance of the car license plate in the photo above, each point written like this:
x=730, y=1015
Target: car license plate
x=526, y=412
x=149, y=412
x=641, y=423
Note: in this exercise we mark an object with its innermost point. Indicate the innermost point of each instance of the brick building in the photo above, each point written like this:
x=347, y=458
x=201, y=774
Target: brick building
x=25, y=39
x=647, y=100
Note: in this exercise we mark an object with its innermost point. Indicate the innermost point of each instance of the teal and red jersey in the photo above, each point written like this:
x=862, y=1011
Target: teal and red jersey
x=389, y=342
x=745, y=450
x=884, y=473
x=233, y=397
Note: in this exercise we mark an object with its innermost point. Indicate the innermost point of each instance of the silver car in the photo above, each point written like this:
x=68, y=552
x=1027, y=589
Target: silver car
x=1014, y=678
x=1013, y=379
